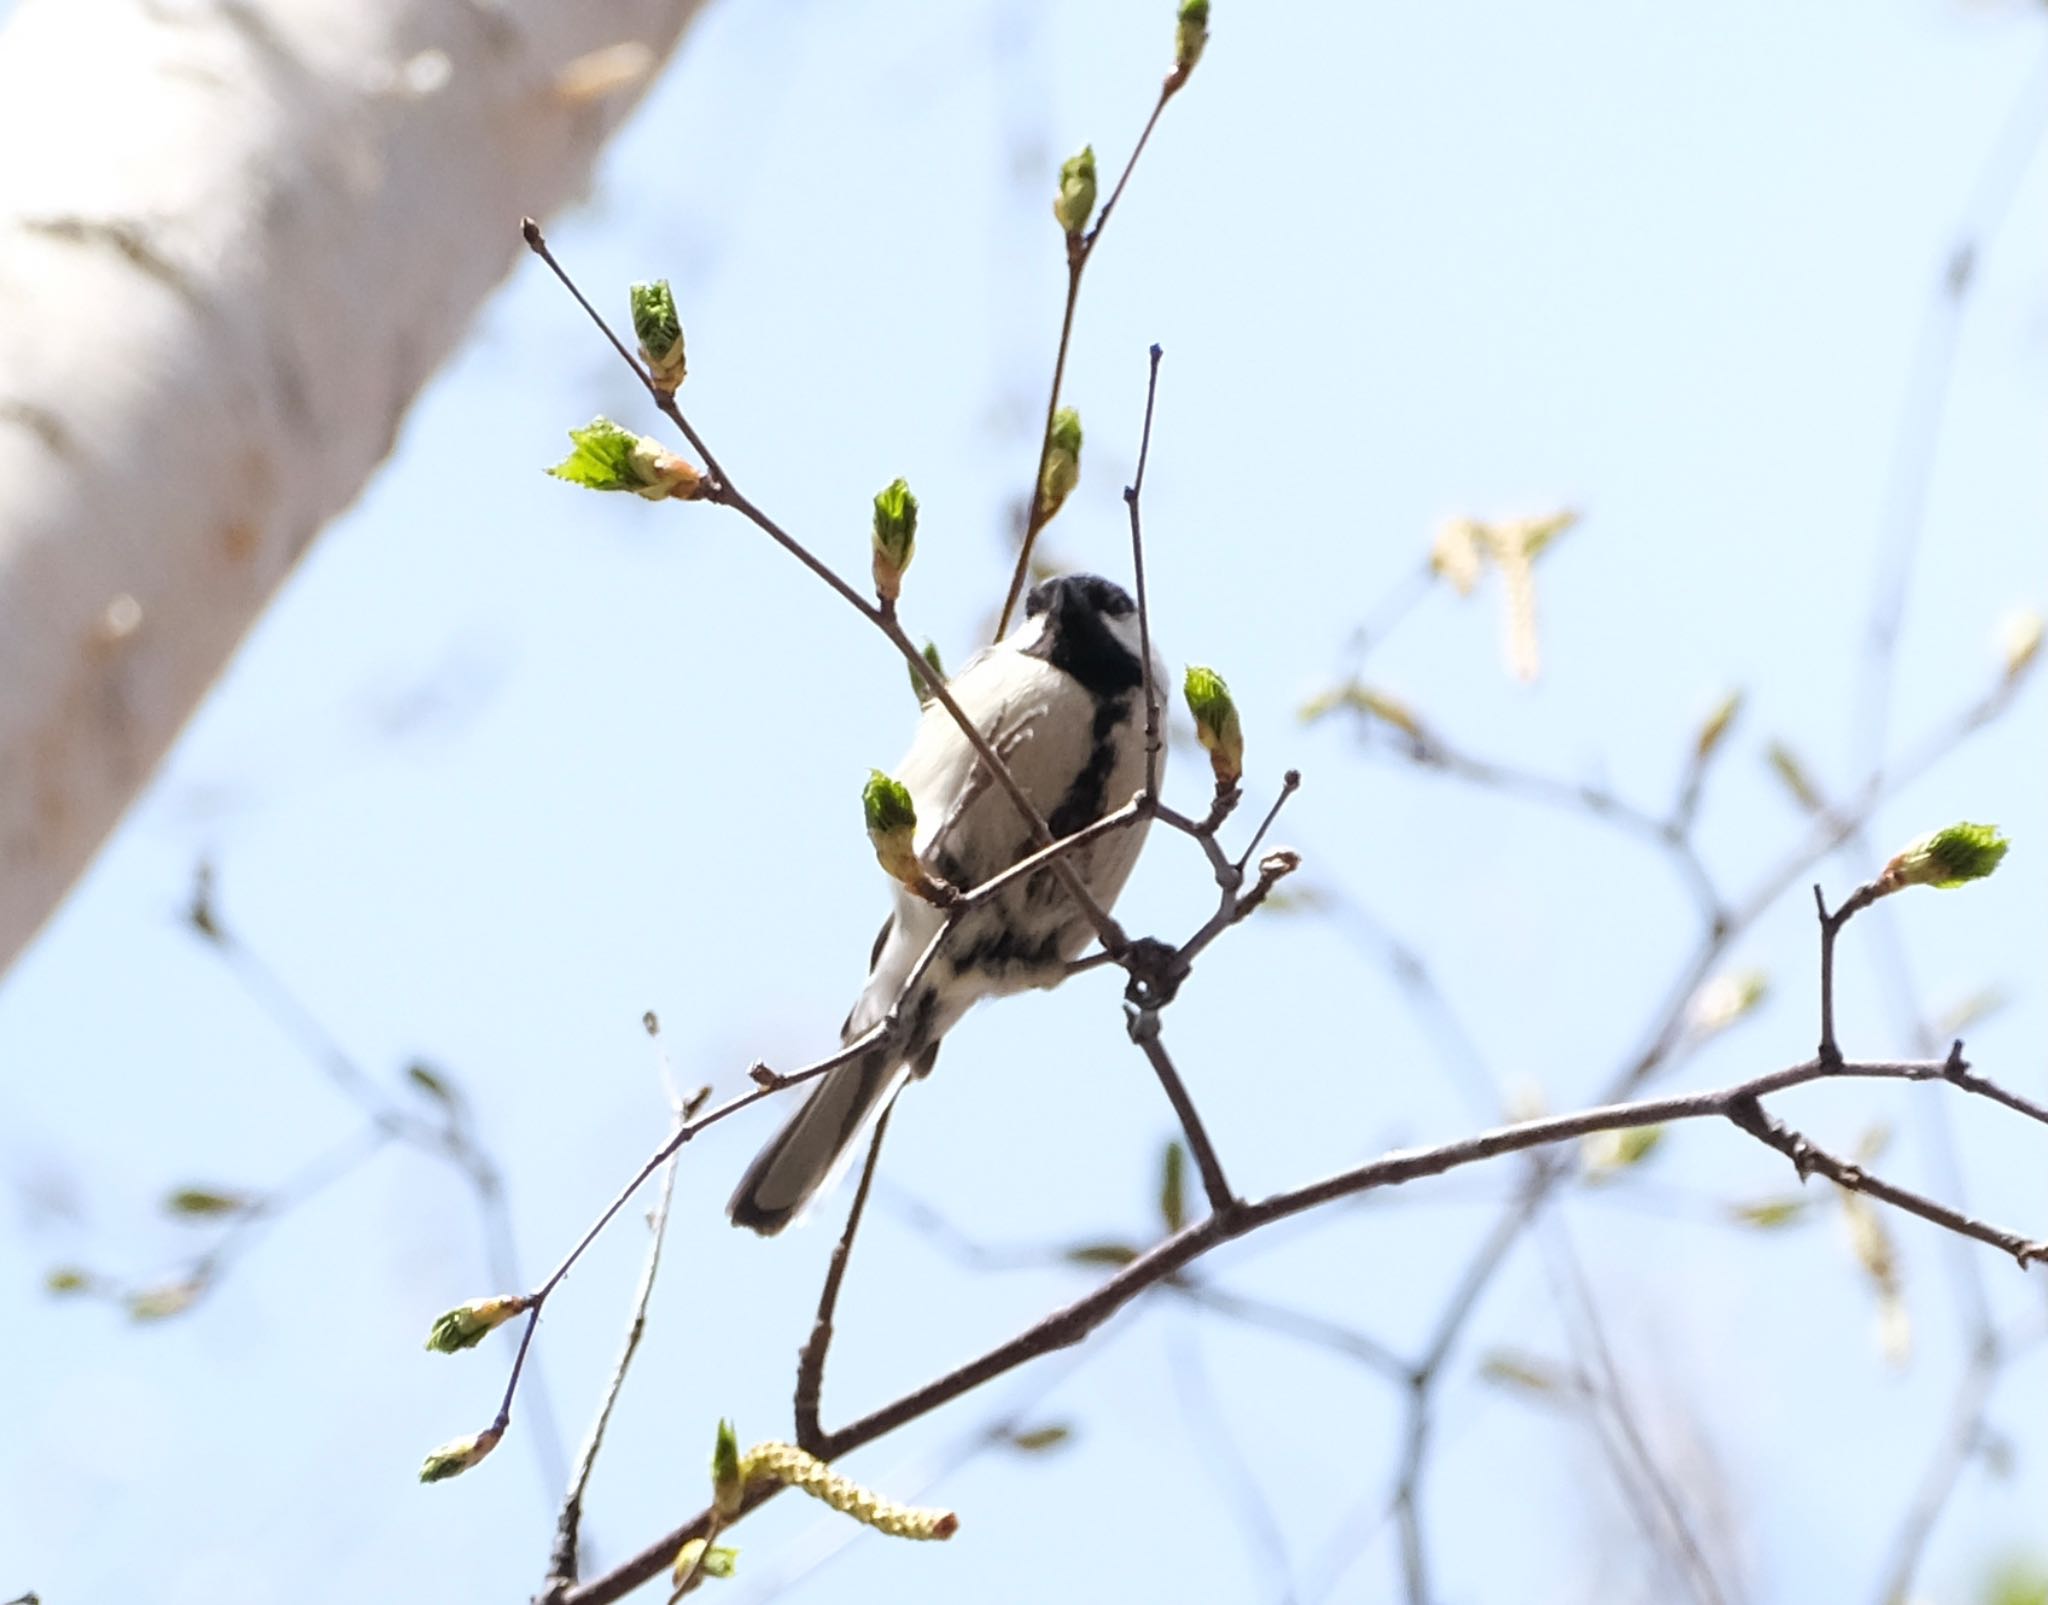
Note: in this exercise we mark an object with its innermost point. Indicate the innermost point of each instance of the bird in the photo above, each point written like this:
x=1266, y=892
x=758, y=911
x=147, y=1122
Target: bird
x=1060, y=701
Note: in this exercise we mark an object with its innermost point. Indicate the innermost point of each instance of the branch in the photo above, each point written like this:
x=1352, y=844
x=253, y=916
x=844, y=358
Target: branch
x=1132, y=492
x=1070, y=1325
x=810, y=1364
x=1749, y=1115
x=1143, y=1025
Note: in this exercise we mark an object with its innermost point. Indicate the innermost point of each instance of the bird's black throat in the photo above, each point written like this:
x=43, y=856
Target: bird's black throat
x=1077, y=638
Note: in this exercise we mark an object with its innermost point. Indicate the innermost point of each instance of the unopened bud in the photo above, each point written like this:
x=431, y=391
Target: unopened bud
x=1062, y=463
x=1357, y=698
x=453, y=1459
x=1716, y=725
x=1190, y=36
x=608, y=457
x=1786, y=765
x=918, y=682
x=1608, y=1153
x=207, y=1203
x=892, y=827
x=728, y=1481
x=1946, y=858
x=895, y=537
x=467, y=1325
x=1726, y=999
x=1075, y=203
x=1216, y=723
x=660, y=333
x=701, y=1555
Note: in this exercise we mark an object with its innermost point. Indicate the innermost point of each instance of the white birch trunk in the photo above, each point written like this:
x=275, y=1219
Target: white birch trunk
x=236, y=236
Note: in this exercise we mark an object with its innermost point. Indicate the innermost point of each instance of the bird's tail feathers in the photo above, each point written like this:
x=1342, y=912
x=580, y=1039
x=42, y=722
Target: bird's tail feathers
x=812, y=1152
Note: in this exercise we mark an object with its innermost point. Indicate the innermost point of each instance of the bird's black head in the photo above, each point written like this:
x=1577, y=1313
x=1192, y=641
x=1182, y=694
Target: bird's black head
x=1090, y=631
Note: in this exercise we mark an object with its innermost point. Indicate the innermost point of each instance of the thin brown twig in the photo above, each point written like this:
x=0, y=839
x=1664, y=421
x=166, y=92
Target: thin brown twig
x=1143, y=1024
x=1132, y=494
x=1037, y=517
x=1830, y=928
x=1808, y=1159
x=810, y=1363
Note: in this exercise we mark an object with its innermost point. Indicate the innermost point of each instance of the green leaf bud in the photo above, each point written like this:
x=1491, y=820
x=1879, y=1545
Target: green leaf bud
x=1716, y=725
x=454, y=1458
x=1791, y=772
x=1944, y=858
x=660, y=333
x=1075, y=203
x=892, y=827
x=917, y=681
x=167, y=1299
x=1062, y=463
x=1173, y=1207
x=1608, y=1153
x=206, y=1203
x=459, y=1456
x=467, y=1325
x=701, y=1555
x=895, y=537
x=1727, y=998
x=1216, y=723
x=728, y=1481
x=1190, y=36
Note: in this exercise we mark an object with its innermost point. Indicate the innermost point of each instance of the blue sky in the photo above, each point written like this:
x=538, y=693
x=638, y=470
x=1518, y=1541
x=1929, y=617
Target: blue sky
x=507, y=765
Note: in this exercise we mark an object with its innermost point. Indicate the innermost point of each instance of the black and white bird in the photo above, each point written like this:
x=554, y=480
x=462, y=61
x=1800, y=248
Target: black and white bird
x=1061, y=701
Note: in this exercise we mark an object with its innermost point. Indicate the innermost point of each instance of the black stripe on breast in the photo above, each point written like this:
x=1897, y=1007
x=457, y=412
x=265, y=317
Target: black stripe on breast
x=1086, y=798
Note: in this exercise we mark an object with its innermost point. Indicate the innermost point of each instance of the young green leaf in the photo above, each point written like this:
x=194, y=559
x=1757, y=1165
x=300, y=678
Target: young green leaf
x=607, y=457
